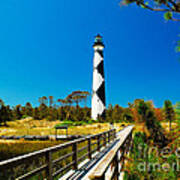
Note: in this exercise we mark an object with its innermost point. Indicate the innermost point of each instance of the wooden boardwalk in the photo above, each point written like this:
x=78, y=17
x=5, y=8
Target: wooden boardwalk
x=100, y=167
x=99, y=156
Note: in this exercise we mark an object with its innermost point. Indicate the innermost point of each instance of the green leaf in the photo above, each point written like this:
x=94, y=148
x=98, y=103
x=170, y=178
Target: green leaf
x=142, y=6
x=168, y=16
x=177, y=48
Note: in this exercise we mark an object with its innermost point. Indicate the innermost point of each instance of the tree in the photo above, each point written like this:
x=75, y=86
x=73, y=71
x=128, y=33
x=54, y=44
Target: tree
x=17, y=112
x=51, y=101
x=117, y=114
x=135, y=115
x=61, y=113
x=109, y=112
x=142, y=109
x=28, y=109
x=1, y=102
x=177, y=111
x=9, y=116
x=84, y=96
x=127, y=115
x=171, y=8
x=43, y=109
x=36, y=113
x=146, y=110
x=62, y=102
x=169, y=112
x=43, y=100
x=5, y=114
x=52, y=113
x=137, y=111
x=77, y=97
x=159, y=114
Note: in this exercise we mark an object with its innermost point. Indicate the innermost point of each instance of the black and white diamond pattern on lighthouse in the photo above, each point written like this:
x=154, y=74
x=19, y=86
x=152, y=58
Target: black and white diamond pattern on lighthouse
x=100, y=52
x=98, y=97
x=99, y=105
x=100, y=68
x=97, y=58
x=98, y=80
x=101, y=93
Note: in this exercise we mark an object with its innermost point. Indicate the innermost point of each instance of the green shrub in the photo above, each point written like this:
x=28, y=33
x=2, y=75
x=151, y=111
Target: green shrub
x=74, y=123
x=24, y=116
x=67, y=123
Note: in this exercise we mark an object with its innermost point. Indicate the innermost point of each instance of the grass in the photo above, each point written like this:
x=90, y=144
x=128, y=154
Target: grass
x=44, y=127
x=12, y=148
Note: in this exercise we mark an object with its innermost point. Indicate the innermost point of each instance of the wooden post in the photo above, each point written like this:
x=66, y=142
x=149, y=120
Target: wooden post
x=49, y=170
x=56, y=134
x=122, y=157
x=103, y=176
x=98, y=142
x=128, y=144
x=89, y=148
x=104, y=139
x=75, y=156
x=117, y=173
x=109, y=136
x=125, y=145
x=131, y=143
x=114, y=134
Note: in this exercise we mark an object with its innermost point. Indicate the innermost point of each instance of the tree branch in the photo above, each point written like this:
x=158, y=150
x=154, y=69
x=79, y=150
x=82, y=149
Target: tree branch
x=153, y=9
x=161, y=10
x=174, y=4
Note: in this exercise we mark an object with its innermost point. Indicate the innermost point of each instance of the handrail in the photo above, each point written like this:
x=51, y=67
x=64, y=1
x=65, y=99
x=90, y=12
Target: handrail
x=54, y=148
x=50, y=162
x=112, y=157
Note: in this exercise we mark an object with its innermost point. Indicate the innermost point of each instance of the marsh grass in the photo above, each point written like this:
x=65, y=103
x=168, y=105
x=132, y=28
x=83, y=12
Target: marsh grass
x=45, y=127
x=12, y=148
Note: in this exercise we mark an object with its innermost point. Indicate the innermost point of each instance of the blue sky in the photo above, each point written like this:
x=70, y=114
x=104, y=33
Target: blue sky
x=46, y=49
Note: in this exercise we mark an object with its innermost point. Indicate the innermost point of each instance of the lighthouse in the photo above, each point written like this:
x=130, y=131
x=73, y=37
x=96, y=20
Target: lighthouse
x=98, y=105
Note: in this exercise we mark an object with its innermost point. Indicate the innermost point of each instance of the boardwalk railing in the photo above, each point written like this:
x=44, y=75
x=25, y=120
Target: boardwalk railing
x=111, y=166
x=57, y=160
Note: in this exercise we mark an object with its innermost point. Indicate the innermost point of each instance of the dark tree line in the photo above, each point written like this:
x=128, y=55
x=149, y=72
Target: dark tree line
x=69, y=109
x=49, y=108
